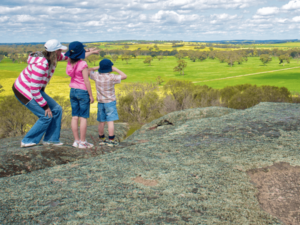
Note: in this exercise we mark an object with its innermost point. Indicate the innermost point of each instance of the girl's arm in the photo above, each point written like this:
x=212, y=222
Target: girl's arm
x=87, y=83
x=93, y=68
x=91, y=51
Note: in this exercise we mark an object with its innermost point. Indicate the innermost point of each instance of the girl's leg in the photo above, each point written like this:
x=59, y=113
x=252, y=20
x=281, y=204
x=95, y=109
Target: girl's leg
x=53, y=131
x=83, y=127
x=74, y=126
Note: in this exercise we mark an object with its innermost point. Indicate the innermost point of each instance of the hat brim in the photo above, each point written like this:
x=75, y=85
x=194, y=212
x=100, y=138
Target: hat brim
x=63, y=47
x=80, y=55
x=105, y=71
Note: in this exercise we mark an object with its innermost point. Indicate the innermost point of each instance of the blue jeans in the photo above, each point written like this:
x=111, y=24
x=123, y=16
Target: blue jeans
x=44, y=125
x=107, y=112
x=80, y=103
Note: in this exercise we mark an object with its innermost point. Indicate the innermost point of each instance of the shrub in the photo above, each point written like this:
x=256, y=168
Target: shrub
x=16, y=119
x=133, y=103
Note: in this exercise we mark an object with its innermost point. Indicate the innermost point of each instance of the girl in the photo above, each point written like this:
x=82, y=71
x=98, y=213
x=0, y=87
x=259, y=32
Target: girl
x=80, y=94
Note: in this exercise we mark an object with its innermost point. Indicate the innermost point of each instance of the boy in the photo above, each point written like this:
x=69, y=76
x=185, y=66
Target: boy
x=107, y=110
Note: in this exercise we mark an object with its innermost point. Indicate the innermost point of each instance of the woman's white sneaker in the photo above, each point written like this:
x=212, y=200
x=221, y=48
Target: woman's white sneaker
x=85, y=145
x=23, y=145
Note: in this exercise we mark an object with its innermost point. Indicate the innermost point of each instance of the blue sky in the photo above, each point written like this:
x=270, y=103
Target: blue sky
x=188, y=20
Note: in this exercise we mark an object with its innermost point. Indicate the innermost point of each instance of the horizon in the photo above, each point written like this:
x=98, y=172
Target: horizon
x=233, y=40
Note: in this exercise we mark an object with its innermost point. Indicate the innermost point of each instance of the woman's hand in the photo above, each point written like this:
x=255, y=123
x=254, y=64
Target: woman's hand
x=91, y=99
x=48, y=113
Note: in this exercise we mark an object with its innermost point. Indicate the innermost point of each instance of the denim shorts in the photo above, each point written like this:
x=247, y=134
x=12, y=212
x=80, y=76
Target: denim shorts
x=107, y=112
x=80, y=103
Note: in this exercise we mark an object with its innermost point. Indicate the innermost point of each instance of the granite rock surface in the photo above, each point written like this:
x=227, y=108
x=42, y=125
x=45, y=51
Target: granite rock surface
x=188, y=167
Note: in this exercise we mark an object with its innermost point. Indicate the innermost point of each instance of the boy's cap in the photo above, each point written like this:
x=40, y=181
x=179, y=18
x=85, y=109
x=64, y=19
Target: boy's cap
x=53, y=45
x=76, y=50
x=105, y=66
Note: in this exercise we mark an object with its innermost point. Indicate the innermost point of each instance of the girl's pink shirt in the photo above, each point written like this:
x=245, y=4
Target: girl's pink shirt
x=75, y=72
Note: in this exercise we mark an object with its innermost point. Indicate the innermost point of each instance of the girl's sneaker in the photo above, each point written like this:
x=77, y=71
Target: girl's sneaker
x=76, y=144
x=85, y=145
x=112, y=143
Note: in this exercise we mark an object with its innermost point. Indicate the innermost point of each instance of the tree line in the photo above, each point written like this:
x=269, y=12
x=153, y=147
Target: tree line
x=140, y=103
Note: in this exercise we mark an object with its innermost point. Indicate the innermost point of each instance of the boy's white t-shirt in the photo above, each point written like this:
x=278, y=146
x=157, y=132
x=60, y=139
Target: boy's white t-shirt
x=105, y=85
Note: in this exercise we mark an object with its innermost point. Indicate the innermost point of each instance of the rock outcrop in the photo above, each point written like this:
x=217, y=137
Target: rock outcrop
x=188, y=167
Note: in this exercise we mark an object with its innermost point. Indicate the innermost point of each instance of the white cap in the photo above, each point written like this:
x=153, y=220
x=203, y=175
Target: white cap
x=53, y=45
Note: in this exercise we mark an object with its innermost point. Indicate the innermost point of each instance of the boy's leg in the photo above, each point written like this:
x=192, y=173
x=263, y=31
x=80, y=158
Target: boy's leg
x=101, y=128
x=111, y=129
x=111, y=116
x=102, y=139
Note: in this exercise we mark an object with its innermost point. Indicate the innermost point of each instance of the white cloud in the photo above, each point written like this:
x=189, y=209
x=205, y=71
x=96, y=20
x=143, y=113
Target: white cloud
x=146, y=19
x=266, y=11
x=296, y=19
x=294, y=4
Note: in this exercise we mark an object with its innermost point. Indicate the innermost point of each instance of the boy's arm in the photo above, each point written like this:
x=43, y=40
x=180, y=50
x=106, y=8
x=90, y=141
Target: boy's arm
x=87, y=83
x=123, y=75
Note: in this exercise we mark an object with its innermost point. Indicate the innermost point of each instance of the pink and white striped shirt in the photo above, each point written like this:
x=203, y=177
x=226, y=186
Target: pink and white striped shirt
x=34, y=77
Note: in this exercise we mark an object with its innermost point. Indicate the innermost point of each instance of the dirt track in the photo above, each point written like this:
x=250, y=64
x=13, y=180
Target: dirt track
x=245, y=75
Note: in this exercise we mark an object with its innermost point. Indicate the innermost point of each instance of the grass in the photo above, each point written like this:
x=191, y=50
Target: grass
x=137, y=71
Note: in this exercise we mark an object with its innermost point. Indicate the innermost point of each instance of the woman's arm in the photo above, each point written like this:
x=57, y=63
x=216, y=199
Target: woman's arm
x=87, y=83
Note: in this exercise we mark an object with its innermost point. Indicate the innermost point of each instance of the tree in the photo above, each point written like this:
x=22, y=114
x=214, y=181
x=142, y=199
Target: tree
x=127, y=58
x=180, y=67
x=148, y=60
x=212, y=55
x=265, y=58
x=102, y=53
x=211, y=48
x=159, y=80
x=1, y=57
x=93, y=58
x=160, y=57
x=114, y=58
x=179, y=55
x=283, y=58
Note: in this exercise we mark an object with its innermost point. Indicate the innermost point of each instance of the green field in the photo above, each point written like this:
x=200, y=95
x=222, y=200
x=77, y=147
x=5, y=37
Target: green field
x=201, y=73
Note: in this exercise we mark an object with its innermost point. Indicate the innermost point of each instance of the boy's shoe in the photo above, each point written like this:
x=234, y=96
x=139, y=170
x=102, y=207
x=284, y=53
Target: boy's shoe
x=112, y=143
x=85, y=145
x=103, y=141
x=54, y=144
x=23, y=145
x=76, y=144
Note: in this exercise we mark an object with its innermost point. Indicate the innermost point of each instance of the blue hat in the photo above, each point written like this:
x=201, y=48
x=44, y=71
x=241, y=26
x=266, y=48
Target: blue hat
x=76, y=50
x=105, y=66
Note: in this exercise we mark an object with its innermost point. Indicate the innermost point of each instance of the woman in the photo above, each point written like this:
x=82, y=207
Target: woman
x=29, y=89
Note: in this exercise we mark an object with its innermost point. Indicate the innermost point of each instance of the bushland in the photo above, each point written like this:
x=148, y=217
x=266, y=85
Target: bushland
x=140, y=103
x=16, y=119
